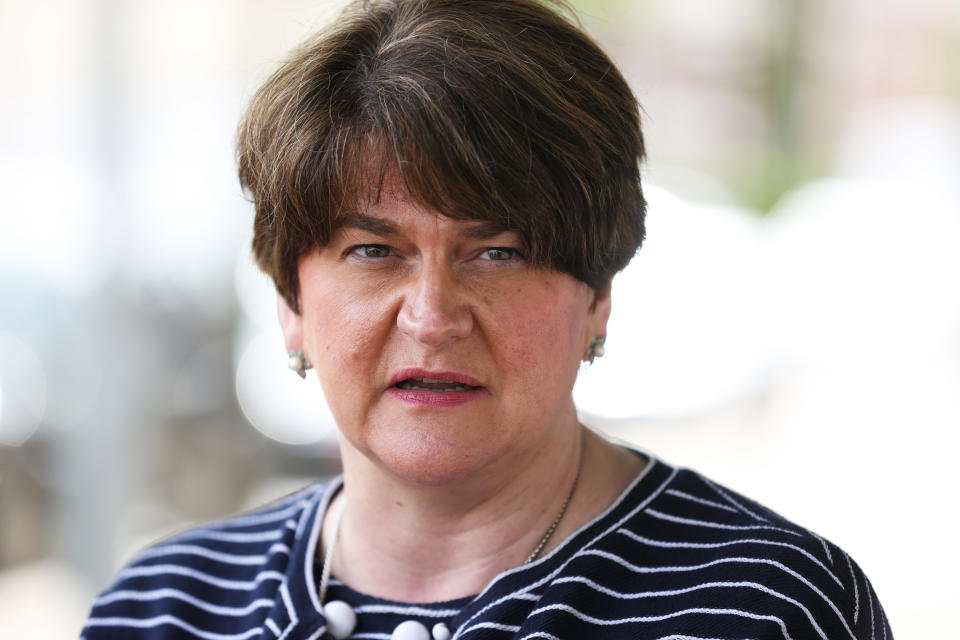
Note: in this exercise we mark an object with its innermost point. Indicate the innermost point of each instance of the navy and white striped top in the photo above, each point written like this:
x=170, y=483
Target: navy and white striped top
x=675, y=557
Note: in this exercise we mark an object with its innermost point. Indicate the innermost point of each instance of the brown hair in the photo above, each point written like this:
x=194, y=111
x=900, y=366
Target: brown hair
x=494, y=110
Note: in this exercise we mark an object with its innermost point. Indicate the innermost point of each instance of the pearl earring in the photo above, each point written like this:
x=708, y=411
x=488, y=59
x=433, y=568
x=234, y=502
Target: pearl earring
x=298, y=363
x=595, y=350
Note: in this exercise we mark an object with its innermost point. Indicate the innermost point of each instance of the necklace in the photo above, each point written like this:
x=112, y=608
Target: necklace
x=341, y=618
x=553, y=526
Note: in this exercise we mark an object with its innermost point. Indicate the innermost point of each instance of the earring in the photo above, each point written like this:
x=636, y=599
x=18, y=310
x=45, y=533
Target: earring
x=298, y=363
x=595, y=350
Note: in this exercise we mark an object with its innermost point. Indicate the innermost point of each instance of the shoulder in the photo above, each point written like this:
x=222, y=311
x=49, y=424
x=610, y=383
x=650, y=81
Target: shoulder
x=229, y=569
x=687, y=550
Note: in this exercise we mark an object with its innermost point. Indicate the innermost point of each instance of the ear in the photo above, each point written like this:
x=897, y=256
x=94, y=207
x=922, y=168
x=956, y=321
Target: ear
x=599, y=313
x=290, y=324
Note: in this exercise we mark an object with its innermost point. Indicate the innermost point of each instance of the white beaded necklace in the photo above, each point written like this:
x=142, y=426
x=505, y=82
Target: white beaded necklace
x=341, y=618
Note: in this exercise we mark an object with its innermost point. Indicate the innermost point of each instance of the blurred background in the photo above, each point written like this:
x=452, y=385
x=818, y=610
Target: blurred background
x=791, y=327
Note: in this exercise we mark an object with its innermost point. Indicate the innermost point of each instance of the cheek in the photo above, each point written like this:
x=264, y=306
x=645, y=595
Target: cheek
x=344, y=338
x=545, y=338
x=340, y=329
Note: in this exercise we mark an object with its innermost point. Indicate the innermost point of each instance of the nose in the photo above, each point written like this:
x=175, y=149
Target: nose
x=434, y=309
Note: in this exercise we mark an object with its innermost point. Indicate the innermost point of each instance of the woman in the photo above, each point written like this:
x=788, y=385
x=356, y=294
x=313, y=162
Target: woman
x=444, y=190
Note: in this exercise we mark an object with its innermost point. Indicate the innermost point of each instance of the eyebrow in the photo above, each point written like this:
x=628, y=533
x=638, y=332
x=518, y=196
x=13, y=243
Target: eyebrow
x=379, y=226
x=480, y=230
x=483, y=230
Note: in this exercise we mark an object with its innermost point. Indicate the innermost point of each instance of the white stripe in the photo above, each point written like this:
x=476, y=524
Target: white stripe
x=406, y=611
x=678, y=637
x=495, y=625
x=264, y=517
x=726, y=496
x=667, y=616
x=373, y=636
x=288, y=602
x=219, y=556
x=714, y=545
x=540, y=634
x=826, y=547
x=223, y=583
x=272, y=626
x=716, y=525
x=870, y=602
x=176, y=594
x=285, y=596
x=709, y=503
x=229, y=536
x=278, y=548
x=652, y=462
x=313, y=541
x=773, y=563
x=319, y=493
x=856, y=591
x=706, y=585
x=149, y=623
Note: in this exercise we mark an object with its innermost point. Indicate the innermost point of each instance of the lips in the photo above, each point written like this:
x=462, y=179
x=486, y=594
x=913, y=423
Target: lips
x=424, y=390
x=411, y=379
x=429, y=384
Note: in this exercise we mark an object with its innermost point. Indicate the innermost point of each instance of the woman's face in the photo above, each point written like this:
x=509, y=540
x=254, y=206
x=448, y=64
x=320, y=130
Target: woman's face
x=439, y=349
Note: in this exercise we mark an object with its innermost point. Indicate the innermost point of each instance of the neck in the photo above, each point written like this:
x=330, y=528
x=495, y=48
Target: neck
x=406, y=541
x=413, y=543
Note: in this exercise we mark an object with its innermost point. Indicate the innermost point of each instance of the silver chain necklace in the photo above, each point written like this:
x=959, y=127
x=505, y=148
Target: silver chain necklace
x=556, y=521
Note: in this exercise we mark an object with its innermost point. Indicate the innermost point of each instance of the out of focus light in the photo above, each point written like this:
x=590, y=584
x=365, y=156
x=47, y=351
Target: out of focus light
x=23, y=391
x=687, y=329
x=75, y=374
x=905, y=139
x=276, y=402
x=866, y=264
x=24, y=615
x=864, y=269
x=49, y=233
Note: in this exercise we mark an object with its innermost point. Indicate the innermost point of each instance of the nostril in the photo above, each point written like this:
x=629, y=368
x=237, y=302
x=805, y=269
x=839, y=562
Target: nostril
x=434, y=311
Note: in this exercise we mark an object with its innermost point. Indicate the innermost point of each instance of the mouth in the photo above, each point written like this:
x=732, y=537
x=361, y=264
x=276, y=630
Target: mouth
x=434, y=390
x=416, y=380
x=421, y=383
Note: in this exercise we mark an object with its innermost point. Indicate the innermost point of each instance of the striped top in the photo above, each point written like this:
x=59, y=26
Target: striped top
x=675, y=557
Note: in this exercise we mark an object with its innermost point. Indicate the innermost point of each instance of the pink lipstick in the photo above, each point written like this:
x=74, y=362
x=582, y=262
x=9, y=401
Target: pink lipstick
x=434, y=389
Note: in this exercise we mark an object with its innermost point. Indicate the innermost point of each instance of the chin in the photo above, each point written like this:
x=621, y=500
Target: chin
x=432, y=460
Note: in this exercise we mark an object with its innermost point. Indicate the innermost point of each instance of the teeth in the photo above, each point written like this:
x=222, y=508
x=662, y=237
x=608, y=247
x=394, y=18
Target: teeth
x=432, y=384
x=459, y=387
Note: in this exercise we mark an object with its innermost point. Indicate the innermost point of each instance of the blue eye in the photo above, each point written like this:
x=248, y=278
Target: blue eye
x=501, y=254
x=371, y=251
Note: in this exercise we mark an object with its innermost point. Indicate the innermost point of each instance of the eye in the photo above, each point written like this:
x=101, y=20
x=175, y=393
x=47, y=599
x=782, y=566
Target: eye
x=371, y=251
x=501, y=254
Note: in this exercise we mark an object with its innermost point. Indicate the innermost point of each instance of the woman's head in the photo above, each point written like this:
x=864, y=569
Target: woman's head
x=499, y=111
